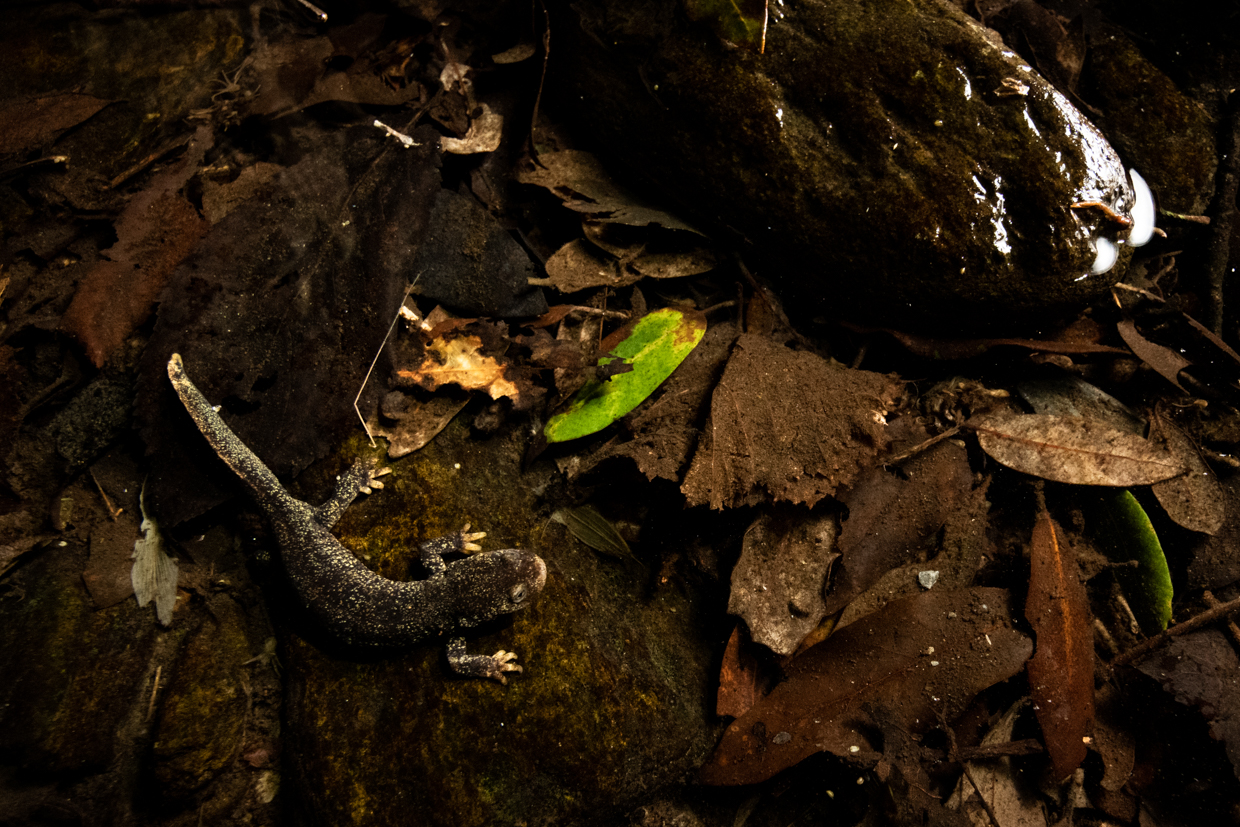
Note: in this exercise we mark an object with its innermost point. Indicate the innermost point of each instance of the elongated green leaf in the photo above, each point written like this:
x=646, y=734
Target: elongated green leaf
x=654, y=347
x=1125, y=533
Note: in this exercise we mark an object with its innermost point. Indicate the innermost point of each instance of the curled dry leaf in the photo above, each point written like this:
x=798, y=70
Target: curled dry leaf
x=1074, y=450
x=460, y=361
x=912, y=663
x=1061, y=671
x=1165, y=361
x=1195, y=499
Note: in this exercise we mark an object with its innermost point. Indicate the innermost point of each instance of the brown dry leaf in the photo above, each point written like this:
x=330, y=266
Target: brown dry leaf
x=915, y=662
x=459, y=361
x=1074, y=450
x=579, y=179
x=997, y=783
x=1165, y=361
x=1201, y=669
x=414, y=423
x=1194, y=500
x=156, y=231
x=777, y=582
x=30, y=123
x=1061, y=671
x=738, y=677
x=579, y=265
x=787, y=425
x=890, y=518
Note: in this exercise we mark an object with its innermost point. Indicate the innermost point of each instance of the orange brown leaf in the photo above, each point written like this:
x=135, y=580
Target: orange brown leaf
x=1061, y=671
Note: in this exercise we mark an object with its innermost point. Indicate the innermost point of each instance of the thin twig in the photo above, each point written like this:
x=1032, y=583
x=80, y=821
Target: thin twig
x=113, y=511
x=1232, y=628
x=150, y=709
x=919, y=448
x=1191, y=625
x=375, y=361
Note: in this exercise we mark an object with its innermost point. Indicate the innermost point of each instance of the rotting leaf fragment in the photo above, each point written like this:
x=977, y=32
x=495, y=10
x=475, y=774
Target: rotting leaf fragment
x=1074, y=450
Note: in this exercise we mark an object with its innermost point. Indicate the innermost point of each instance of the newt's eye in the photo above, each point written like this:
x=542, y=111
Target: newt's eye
x=517, y=595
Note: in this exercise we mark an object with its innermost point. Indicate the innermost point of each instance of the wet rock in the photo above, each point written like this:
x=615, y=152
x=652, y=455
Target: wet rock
x=1159, y=130
x=613, y=702
x=889, y=160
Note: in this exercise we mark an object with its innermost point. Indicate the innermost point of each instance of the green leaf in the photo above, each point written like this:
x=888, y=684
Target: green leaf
x=654, y=346
x=742, y=22
x=1125, y=533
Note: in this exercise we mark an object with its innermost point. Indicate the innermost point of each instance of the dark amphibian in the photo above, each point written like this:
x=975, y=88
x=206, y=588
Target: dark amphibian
x=353, y=602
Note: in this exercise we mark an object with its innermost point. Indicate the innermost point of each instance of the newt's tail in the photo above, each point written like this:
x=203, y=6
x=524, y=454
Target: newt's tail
x=240, y=459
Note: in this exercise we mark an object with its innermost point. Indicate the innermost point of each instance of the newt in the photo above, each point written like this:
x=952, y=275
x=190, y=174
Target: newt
x=354, y=603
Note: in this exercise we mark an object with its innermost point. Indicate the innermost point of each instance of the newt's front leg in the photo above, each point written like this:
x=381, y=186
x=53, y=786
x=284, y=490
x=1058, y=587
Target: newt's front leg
x=481, y=666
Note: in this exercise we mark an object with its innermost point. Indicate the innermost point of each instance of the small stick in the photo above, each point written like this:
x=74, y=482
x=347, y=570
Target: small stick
x=1191, y=625
x=919, y=448
x=315, y=10
x=113, y=512
x=1232, y=628
x=375, y=361
x=150, y=709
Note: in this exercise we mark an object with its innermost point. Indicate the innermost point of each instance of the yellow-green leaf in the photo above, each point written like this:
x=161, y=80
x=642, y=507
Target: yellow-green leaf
x=654, y=347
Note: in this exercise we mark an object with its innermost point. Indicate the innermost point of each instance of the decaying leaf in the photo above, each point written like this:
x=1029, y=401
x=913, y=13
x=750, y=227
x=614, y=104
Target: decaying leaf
x=458, y=360
x=588, y=525
x=1123, y=530
x=954, y=567
x=742, y=22
x=154, y=573
x=1061, y=671
x=1074, y=450
x=1073, y=396
x=788, y=425
x=915, y=662
x=1201, y=669
x=485, y=132
x=409, y=424
x=998, y=783
x=890, y=517
x=579, y=179
x=1165, y=361
x=654, y=346
x=108, y=575
x=1194, y=500
x=777, y=582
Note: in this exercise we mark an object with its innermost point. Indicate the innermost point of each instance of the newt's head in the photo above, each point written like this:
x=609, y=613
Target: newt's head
x=495, y=583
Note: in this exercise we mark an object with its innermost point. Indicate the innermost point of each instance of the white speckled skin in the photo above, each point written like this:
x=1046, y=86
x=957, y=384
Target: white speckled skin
x=357, y=605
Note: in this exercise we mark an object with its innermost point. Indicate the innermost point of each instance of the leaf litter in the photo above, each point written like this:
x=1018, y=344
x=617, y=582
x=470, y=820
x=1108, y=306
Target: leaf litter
x=909, y=517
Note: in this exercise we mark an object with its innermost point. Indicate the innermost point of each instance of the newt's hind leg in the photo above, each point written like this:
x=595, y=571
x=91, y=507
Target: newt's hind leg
x=361, y=478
